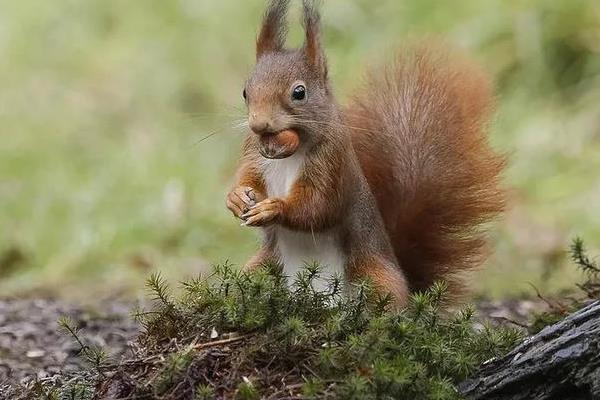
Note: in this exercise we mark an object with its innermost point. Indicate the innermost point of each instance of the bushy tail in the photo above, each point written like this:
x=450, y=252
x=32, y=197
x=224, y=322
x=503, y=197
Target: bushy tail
x=419, y=132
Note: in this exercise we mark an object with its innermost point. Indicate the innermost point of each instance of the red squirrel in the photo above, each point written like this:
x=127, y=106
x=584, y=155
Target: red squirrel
x=394, y=187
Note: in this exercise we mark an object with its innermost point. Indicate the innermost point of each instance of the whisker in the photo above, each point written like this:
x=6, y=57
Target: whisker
x=346, y=114
x=214, y=132
x=357, y=116
x=242, y=124
x=239, y=122
x=208, y=117
x=208, y=136
x=304, y=119
x=333, y=124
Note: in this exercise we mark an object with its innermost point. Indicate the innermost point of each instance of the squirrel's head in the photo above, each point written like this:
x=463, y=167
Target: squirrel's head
x=288, y=90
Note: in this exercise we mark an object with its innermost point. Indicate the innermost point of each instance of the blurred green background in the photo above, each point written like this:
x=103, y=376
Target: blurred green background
x=104, y=175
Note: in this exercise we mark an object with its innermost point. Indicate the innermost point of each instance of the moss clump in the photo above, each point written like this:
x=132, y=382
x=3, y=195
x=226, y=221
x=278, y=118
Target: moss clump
x=234, y=335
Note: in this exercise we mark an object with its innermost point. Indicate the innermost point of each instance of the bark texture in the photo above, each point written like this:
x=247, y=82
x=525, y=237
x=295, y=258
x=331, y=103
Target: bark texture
x=562, y=362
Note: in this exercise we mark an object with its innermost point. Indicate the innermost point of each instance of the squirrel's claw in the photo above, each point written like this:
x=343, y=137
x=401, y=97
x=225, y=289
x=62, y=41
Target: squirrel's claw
x=264, y=213
x=240, y=199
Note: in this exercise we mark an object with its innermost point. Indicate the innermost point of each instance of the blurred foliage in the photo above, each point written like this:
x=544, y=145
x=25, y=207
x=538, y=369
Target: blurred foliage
x=588, y=290
x=103, y=105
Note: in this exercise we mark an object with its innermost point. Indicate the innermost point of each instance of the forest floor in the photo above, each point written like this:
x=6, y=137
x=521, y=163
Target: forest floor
x=32, y=346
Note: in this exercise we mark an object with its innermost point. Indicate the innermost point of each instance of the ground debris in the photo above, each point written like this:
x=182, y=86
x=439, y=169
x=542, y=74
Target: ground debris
x=33, y=348
x=242, y=336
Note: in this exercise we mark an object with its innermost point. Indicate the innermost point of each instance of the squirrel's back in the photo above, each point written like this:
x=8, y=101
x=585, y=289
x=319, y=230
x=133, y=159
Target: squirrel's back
x=418, y=127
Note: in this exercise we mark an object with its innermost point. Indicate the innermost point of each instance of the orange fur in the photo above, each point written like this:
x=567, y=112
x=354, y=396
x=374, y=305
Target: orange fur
x=386, y=277
x=400, y=182
x=423, y=150
x=249, y=173
x=263, y=256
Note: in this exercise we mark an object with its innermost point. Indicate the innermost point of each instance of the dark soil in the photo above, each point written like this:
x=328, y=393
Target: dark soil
x=32, y=346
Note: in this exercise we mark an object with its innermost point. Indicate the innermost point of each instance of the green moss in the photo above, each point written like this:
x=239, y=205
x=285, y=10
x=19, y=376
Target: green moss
x=247, y=391
x=233, y=335
x=205, y=392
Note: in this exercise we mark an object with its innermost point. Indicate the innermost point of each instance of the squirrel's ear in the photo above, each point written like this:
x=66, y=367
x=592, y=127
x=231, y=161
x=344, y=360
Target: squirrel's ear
x=273, y=32
x=312, y=43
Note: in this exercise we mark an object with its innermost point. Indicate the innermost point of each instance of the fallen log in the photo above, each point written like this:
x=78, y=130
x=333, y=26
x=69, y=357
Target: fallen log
x=562, y=362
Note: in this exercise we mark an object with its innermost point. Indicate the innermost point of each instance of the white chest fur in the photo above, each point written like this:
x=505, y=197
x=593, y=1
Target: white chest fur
x=280, y=175
x=299, y=248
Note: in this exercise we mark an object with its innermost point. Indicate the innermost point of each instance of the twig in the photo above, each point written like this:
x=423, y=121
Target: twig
x=205, y=345
x=287, y=388
x=512, y=321
x=557, y=306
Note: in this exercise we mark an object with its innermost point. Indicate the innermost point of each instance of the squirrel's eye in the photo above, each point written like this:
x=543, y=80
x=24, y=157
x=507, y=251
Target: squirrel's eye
x=299, y=93
x=244, y=95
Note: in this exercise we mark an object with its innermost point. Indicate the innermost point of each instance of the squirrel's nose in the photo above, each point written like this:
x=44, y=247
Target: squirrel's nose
x=260, y=125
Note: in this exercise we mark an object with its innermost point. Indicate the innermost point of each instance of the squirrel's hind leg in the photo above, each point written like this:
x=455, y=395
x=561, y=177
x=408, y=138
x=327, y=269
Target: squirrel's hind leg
x=386, y=277
x=262, y=257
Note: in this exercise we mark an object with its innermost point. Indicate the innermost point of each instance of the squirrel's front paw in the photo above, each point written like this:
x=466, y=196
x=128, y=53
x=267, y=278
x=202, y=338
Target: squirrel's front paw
x=264, y=213
x=240, y=199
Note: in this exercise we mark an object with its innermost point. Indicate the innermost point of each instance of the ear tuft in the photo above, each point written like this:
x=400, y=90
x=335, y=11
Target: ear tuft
x=274, y=29
x=312, y=43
